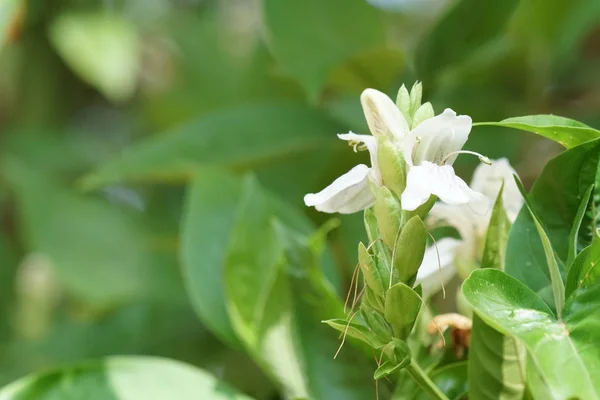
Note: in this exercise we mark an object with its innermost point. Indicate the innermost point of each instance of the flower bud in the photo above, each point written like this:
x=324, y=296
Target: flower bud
x=388, y=212
x=392, y=166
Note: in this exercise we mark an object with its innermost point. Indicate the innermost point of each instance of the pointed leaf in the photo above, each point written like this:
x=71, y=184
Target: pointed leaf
x=574, y=235
x=371, y=274
x=585, y=270
x=568, y=132
x=356, y=330
x=497, y=236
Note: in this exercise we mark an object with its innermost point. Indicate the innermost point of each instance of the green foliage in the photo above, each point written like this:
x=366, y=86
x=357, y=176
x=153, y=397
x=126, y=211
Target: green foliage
x=513, y=309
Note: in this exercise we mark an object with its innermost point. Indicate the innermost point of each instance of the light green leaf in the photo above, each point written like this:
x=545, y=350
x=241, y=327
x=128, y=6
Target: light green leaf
x=311, y=51
x=387, y=211
x=239, y=137
x=391, y=166
x=377, y=281
x=103, y=48
x=455, y=37
x=497, y=236
x=513, y=309
x=402, y=306
x=566, y=131
x=356, y=330
x=122, y=378
x=555, y=198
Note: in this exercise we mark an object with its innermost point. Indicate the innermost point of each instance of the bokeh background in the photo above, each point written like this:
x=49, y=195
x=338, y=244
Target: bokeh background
x=107, y=108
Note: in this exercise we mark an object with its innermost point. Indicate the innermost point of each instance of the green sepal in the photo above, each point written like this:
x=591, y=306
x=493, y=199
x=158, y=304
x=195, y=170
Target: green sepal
x=376, y=322
x=391, y=166
x=410, y=249
x=373, y=300
x=402, y=306
x=357, y=331
x=416, y=95
x=424, y=112
x=388, y=213
x=371, y=274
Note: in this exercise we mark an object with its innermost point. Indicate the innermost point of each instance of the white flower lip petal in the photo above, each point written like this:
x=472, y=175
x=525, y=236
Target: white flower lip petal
x=430, y=179
x=348, y=194
x=434, y=272
x=437, y=137
x=371, y=144
x=383, y=116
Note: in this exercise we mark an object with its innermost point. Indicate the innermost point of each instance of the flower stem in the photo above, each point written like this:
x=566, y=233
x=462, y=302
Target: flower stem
x=423, y=380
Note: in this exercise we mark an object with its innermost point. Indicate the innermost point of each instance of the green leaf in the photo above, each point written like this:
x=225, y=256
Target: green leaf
x=356, y=330
x=584, y=271
x=100, y=252
x=455, y=37
x=452, y=381
x=410, y=250
x=311, y=51
x=555, y=198
x=566, y=131
x=377, y=281
x=400, y=356
x=497, y=236
x=496, y=364
x=574, y=235
x=122, y=378
x=240, y=137
x=276, y=295
x=211, y=218
x=402, y=306
x=103, y=48
x=513, y=309
x=556, y=282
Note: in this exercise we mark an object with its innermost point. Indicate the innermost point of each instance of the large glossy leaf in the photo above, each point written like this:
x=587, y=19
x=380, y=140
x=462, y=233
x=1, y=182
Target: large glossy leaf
x=101, y=253
x=566, y=131
x=513, y=309
x=238, y=137
x=122, y=378
x=311, y=51
x=555, y=198
x=455, y=37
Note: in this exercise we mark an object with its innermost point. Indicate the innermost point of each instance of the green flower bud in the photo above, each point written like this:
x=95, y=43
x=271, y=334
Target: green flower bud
x=421, y=114
x=388, y=213
x=403, y=103
x=416, y=94
x=410, y=249
x=391, y=166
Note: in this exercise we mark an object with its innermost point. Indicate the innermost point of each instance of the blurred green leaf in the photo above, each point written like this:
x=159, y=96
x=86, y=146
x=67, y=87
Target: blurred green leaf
x=103, y=48
x=313, y=37
x=555, y=198
x=568, y=132
x=513, y=309
x=452, y=381
x=9, y=9
x=240, y=137
x=100, y=252
x=122, y=378
x=465, y=27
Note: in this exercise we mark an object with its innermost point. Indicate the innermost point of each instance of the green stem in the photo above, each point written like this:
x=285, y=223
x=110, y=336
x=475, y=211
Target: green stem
x=423, y=380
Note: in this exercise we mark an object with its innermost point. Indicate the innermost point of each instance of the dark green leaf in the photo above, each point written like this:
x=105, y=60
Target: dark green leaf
x=584, y=271
x=122, y=378
x=574, y=235
x=311, y=51
x=568, y=132
x=455, y=37
x=513, y=309
x=238, y=137
x=452, y=381
x=555, y=198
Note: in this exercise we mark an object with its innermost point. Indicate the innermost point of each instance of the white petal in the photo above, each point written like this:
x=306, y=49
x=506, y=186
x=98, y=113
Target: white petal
x=487, y=179
x=441, y=181
x=433, y=270
x=436, y=137
x=371, y=143
x=458, y=216
x=348, y=194
x=383, y=116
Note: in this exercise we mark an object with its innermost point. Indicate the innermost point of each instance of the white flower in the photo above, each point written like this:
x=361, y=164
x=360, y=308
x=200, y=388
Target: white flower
x=471, y=226
x=430, y=149
x=350, y=192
